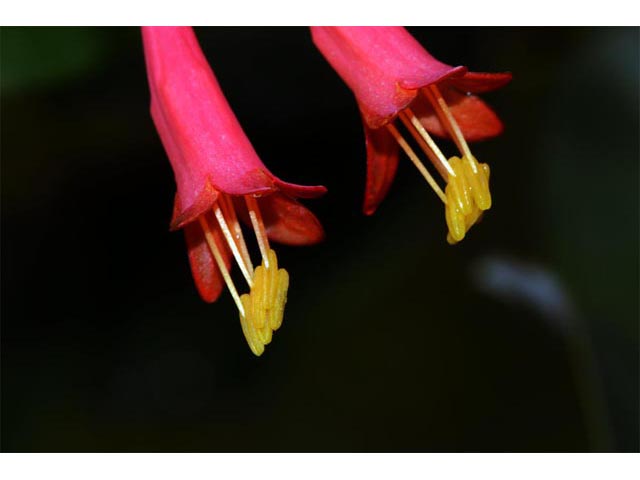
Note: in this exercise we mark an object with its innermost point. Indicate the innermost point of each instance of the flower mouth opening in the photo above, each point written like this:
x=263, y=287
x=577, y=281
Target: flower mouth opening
x=466, y=195
x=262, y=309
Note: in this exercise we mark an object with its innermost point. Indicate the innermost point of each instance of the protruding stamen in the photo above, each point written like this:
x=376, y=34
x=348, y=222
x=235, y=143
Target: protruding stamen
x=232, y=244
x=467, y=190
x=261, y=310
x=258, y=227
x=427, y=144
x=416, y=161
x=446, y=117
x=219, y=260
x=232, y=220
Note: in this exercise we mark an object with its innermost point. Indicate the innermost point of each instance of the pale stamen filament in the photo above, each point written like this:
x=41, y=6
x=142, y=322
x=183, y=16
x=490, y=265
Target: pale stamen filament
x=258, y=227
x=416, y=161
x=427, y=144
x=446, y=117
x=232, y=220
x=221, y=265
x=232, y=244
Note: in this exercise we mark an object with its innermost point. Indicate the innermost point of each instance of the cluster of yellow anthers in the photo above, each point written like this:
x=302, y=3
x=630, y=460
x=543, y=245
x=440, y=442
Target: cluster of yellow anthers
x=467, y=191
x=262, y=309
x=264, y=306
x=467, y=196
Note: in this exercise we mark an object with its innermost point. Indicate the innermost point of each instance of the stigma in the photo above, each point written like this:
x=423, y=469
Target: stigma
x=262, y=309
x=466, y=194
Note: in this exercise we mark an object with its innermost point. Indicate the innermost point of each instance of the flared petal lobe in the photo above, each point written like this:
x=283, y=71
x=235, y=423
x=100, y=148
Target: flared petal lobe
x=206, y=273
x=477, y=121
x=480, y=82
x=286, y=220
x=382, y=163
x=383, y=66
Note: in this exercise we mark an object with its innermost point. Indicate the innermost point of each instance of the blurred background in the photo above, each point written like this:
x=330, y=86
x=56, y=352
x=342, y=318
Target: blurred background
x=524, y=337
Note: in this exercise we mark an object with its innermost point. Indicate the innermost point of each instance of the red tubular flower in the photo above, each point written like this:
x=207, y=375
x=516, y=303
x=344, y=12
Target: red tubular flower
x=393, y=76
x=220, y=177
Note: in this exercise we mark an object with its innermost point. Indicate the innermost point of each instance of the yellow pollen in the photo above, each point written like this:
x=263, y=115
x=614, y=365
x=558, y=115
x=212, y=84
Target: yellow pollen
x=262, y=309
x=467, y=196
x=264, y=306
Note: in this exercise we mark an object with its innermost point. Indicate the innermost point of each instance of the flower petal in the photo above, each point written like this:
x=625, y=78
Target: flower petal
x=203, y=202
x=477, y=82
x=300, y=191
x=476, y=119
x=285, y=219
x=204, y=268
x=382, y=163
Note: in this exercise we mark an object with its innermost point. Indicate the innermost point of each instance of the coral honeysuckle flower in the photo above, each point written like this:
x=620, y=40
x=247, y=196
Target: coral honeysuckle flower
x=219, y=179
x=393, y=76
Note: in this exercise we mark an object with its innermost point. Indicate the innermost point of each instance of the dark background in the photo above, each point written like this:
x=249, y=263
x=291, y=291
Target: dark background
x=522, y=338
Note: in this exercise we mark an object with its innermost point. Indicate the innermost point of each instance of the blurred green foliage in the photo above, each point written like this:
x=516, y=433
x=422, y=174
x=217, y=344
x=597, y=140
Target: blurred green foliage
x=43, y=58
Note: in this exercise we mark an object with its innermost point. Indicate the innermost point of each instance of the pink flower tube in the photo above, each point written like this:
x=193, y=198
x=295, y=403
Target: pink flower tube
x=392, y=76
x=219, y=176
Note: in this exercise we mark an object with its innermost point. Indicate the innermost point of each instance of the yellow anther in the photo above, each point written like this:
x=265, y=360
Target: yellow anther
x=259, y=293
x=281, y=299
x=467, y=196
x=248, y=328
x=479, y=182
x=469, y=221
x=264, y=306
